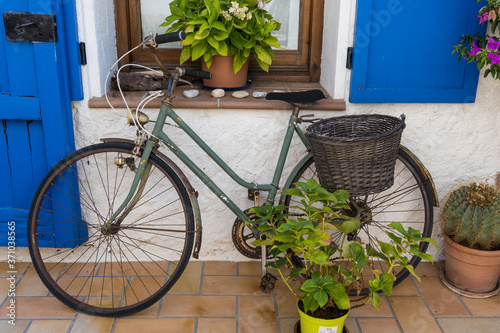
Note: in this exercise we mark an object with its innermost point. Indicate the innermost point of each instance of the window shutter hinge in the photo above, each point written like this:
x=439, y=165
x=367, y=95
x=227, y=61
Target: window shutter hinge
x=349, y=58
x=83, y=54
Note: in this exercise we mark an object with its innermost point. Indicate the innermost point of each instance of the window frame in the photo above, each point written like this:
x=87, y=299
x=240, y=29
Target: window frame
x=303, y=65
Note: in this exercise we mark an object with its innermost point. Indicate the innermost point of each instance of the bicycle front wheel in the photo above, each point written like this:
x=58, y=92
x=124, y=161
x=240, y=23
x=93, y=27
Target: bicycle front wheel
x=102, y=270
x=408, y=201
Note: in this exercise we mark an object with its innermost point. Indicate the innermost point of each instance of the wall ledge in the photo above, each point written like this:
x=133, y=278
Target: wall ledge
x=206, y=101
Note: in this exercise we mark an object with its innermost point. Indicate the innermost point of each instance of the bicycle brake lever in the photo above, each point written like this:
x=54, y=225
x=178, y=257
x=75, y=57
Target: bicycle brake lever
x=186, y=81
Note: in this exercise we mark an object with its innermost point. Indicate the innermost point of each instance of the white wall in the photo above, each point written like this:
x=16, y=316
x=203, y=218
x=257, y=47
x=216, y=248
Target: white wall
x=456, y=142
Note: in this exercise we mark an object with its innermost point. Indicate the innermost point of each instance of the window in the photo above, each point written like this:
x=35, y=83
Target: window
x=301, y=35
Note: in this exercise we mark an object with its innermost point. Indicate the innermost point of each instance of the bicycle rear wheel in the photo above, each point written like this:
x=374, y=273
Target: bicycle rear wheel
x=408, y=201
x=109, y=271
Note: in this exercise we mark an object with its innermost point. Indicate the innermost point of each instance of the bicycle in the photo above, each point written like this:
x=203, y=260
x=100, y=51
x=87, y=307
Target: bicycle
x=112, y=226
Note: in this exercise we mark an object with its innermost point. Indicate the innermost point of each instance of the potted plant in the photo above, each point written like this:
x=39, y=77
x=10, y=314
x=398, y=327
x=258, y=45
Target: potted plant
x=224, y=32
x=329, y=267
x=484, y=49
x=471, y=226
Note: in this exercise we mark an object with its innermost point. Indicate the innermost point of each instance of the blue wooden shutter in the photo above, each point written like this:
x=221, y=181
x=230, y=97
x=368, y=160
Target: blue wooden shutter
x=402, y=51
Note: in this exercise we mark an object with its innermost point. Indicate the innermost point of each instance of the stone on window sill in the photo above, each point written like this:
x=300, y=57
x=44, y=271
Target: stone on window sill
x=206, y=101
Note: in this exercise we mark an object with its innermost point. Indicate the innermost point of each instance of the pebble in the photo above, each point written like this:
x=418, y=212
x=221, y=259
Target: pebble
x=191, y=93
x=259, y=94
x=240, y=94
x=218, y=93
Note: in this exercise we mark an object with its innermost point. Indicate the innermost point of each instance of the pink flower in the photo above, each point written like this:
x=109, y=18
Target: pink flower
x=483, y=18
x=493, y=44
x=495, y=58
x=474, y=49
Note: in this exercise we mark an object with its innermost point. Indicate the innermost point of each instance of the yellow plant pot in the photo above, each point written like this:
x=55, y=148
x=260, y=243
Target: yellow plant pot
x=310, y=324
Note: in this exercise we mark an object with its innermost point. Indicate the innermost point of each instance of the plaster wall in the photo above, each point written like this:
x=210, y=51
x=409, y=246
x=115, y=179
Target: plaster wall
x=456, y=142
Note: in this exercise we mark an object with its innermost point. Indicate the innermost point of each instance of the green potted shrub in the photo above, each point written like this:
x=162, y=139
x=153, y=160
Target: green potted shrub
x=471, y=228
x=224, y=32
x=329, y=269
x=484, y=49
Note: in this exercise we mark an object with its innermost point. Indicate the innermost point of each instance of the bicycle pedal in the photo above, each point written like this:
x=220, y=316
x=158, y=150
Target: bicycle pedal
x=267, y=283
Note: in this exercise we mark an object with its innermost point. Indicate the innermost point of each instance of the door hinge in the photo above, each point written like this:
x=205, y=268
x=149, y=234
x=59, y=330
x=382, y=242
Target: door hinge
x=83, y=53
x=350, y=52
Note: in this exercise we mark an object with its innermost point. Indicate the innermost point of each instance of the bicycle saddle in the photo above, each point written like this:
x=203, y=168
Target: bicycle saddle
x=299, y=97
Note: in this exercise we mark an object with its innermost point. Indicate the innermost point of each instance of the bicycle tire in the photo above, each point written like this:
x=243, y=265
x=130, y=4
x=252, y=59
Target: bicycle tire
x=410, y=188
x=102, y=271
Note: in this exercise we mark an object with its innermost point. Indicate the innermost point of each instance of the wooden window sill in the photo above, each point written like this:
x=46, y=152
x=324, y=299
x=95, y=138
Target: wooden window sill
x=206, y=101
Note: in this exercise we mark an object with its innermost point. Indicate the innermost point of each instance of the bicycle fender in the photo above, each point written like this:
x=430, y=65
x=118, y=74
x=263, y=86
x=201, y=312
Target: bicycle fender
x=289, y=180
x=425, y=172
x=193, y=195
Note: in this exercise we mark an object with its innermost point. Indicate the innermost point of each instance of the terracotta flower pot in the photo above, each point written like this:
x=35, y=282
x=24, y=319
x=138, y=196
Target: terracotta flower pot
x=473, y=270
x=223, y=75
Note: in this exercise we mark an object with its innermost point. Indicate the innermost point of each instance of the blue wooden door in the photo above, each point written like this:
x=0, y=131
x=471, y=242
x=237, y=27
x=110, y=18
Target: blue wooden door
x=403, y=51
x=38, y=80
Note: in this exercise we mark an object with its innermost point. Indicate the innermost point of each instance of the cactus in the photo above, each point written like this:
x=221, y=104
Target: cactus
x=471, y=216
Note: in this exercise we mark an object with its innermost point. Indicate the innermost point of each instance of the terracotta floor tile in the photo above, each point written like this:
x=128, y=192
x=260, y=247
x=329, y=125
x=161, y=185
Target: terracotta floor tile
x=232, y=285
x=350, y=324
x=413, y=315
x=19, y=327
x=257, y=314
x=190, y=280
x=31, y=285
x=158, y=325
x=152, y=311
x=487, y=307
x=216, y=325
x=288, y=324
x=96, y=286
x=157, y=268
x=441, y=300
x=85, y=323
x=39, y=308
x=250, y=268
x=49, y=326
x=427, y=269
x=469, y=325
x=285, y=299
x=406, y=287
x=369, y=310
x=198, y=306
x=143, y=287
x=220, y=268
x=377, y=325
x=20, y=268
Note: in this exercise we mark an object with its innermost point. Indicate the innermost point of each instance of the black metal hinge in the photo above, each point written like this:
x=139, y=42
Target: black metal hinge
x=83, y=53
x=350, y=52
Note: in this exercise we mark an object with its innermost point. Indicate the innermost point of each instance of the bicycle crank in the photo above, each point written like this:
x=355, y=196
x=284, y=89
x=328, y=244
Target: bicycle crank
x=243, y=238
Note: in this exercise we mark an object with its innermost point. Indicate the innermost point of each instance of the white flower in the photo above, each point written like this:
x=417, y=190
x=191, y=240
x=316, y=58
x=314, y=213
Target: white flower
x=226, y=15
x=235, y=4
x=261, y=4
x=249, y=16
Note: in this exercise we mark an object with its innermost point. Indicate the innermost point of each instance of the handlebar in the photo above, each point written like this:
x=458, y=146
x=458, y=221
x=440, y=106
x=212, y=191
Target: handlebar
x=197, y=73
x=170, y=37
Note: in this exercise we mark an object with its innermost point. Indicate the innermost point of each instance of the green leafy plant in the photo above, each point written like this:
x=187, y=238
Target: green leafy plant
x=483, y=49
x=329, y=270
x=224, y=27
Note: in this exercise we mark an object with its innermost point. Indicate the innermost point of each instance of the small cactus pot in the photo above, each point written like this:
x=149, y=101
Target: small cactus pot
x=471, y=270
x=471, y=225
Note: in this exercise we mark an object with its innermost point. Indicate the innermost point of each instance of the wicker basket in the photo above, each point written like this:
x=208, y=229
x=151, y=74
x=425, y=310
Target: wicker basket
x=356, y=153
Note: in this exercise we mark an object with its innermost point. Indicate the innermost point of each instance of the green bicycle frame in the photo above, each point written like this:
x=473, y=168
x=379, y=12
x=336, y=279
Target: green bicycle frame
x=166, y=111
